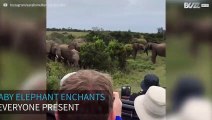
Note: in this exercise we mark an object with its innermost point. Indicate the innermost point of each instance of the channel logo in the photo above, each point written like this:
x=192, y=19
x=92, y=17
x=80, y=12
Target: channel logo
x=194, y=5
x=5, y=4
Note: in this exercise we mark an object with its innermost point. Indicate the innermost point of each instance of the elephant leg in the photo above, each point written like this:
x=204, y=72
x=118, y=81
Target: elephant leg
x=69, y=64
x=65, y=62
x=52, y=57
x=76, y=64
x=134, y=54
x=154, y=55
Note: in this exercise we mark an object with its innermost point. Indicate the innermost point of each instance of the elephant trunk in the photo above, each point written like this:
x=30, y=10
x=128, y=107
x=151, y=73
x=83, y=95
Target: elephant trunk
x=146, y=51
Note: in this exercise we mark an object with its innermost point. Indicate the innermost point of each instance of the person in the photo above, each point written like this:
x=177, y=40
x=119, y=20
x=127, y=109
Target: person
x=152, y=105
x=149, y=80
x=91, y=80
x=194, y=108
x=186, y=87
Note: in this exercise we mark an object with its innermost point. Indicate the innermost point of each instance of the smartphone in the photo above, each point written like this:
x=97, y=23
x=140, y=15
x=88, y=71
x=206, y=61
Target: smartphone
x=125, y=92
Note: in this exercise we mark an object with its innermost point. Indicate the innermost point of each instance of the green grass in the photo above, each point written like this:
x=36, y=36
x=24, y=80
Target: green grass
x=180, y=62
x=137, y=69
x=14, y=70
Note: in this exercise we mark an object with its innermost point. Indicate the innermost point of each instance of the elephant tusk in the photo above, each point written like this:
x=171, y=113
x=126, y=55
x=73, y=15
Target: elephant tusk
x=57, y=57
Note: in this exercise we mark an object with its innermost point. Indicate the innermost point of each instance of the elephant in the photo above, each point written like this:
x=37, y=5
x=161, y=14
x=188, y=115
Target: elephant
x=68, y=56
x=52, y=50
x=200, y=32
x=77, y=43
x=74, y=45
x=23, y=37
x=157, y=50
x=137, y=47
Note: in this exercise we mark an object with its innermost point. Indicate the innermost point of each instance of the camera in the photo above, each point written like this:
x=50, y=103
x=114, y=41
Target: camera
x=125, y=92
x=128, y=110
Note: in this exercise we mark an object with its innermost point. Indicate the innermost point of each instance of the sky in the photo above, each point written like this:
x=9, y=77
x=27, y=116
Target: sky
x=135, y=15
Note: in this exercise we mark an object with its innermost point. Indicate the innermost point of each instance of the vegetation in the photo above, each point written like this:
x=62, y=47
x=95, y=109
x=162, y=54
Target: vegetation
x=132, y=76
x=94, y=55
x=122, y=36
x=110, y=52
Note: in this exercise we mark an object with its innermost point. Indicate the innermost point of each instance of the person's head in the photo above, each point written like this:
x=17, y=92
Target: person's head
x=88, y=80
x=194, y=108
x=186, y=87
x=149, y=80
x=152, y=105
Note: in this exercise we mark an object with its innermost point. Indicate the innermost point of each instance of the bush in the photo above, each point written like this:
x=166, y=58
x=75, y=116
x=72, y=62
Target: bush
x=55, y=72
x=140, y=40
x=94, y=55
x=122, y=37
x=157, y=38
x=117, y=51
x=95, y=35
x=129, y=49
x=60, y=38
x=70, y=36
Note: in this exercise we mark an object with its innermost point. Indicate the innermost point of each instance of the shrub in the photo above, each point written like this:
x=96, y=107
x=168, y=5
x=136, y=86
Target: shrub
x=129, y=49
x=117, y=51
x=55, y=72
x=140, y=40
x=95, y=35
x=58, y=37
x=122, y=37
x=70, y=36
x=94, y=55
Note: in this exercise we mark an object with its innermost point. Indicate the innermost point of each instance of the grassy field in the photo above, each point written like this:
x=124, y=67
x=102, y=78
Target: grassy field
x=136, y=70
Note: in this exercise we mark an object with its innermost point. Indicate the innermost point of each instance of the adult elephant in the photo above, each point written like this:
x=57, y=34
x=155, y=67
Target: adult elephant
x=77, y=43
x=137, y=47
x=27, y=38
x=69, y=56
x=157, y=50
x=52, y=50
x=74, y=45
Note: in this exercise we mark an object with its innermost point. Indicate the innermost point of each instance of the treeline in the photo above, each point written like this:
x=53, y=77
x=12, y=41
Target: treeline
x=124, y=37
x=67, y=30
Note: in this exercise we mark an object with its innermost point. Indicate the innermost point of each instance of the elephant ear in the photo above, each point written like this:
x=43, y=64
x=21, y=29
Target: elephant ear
x=142, y=46
x=71, y=46
x=149, y=46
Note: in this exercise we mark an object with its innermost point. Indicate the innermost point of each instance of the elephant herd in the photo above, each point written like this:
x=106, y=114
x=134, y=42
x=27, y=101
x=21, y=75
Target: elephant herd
x=156, y=49
x=68, y=54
